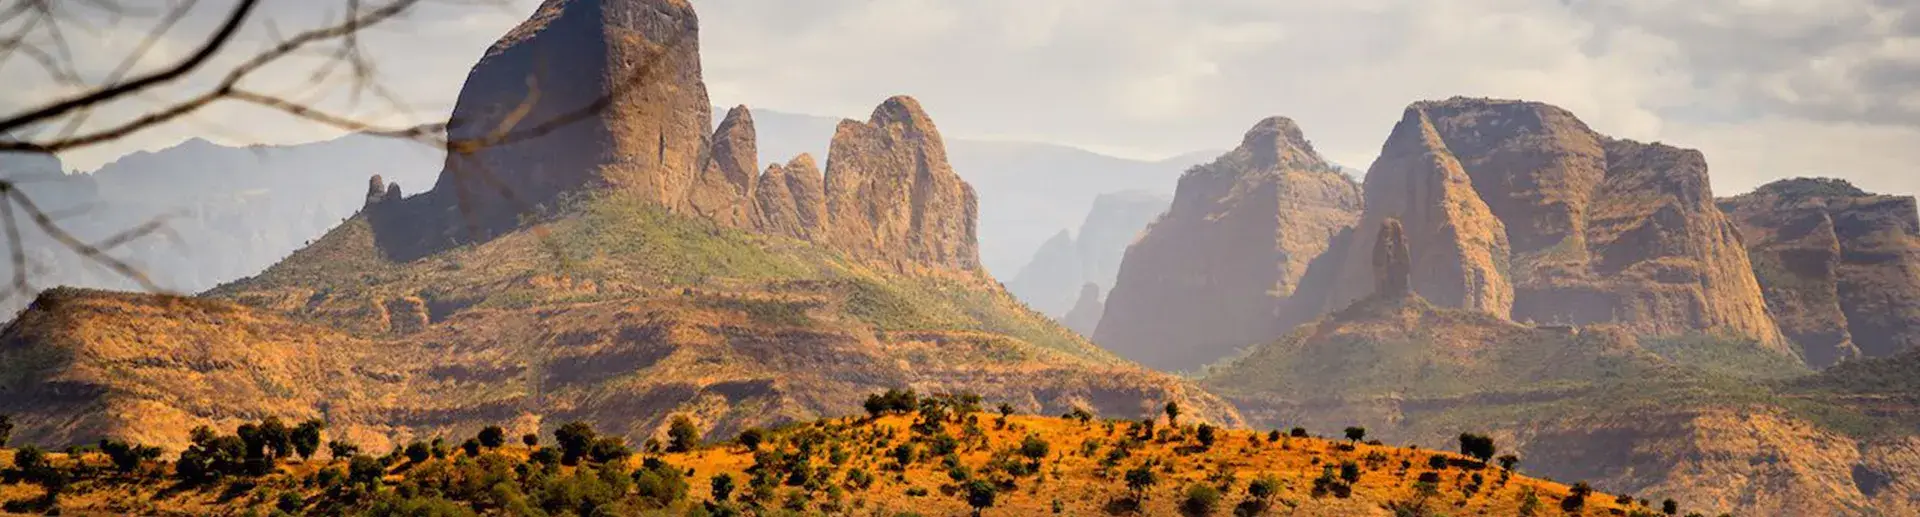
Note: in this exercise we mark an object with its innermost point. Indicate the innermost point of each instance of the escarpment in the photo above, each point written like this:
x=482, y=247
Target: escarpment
x=1840, y=267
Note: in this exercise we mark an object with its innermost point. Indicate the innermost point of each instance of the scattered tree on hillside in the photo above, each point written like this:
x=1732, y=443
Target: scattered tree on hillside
x=682, y=434
x=492, y=437
x=574, y=438
x=305, y=438
x=1173, y=413
x=980, y=495
x=1356, y=434
x=1480, y=447
x=1507, y=461
x=6, y=429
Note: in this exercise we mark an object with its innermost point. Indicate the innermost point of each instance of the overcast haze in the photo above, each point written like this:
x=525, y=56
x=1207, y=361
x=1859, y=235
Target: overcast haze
x=1766, y=88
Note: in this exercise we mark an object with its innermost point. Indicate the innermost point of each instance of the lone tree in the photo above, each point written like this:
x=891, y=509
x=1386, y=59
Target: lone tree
x=574, y=438
x=1480, y=447
x=1139, y=480
x=492, y=437
x=1507, y=461
x=1173, y=413
x=682, y=434
x=1207, y=435
x=751, y=438
x=306, y=438
x=722, y=487
x=1355, y=434
x=980, y=495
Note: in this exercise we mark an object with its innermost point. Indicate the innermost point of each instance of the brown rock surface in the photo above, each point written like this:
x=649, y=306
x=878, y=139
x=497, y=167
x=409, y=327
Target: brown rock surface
x=1518, y=209
x=791, y=198
x=724, y=189
x=1392, y=268
x=1085, y=316
x=1457, y=247
x=618, y=83
x=1834, y=261
x=892, y=197
x=1207, y=277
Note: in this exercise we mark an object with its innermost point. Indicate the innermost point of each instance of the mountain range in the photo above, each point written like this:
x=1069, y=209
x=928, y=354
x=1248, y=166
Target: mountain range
x=1502, y=268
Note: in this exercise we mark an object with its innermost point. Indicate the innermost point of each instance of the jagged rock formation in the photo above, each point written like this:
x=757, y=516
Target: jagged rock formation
x=376, y=189
x=1840, y=267
x=1455, y=242
x=792, y=199
x=1085, y=316
x=1392, y=263
x=724, y=189
x=1208, y=277
x=1051, y=281
x=892, y=197
x=1517, y=209
x=602, y=93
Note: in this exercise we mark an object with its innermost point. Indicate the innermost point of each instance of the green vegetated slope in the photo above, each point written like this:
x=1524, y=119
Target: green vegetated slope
x=607, y=309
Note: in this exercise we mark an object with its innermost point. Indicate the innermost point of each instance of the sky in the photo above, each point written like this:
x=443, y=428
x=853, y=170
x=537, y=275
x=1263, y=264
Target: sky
x=1765, y=88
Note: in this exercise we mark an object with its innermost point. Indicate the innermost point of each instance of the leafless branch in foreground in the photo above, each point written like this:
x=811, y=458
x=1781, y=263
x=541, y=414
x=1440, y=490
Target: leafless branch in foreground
x=34, y=30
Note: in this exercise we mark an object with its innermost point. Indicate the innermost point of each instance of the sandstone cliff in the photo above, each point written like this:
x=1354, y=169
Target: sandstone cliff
x=892, y=197
x=1517, y=209
x=791, y=199
x=1208, y=277
x=604, y=93
x=1456, y=245
x=723, y=191
x=1840, y=267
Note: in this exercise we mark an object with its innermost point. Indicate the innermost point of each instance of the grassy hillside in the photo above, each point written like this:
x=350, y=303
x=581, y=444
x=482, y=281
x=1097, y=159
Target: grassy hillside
x=607, y=310
x=944, y=459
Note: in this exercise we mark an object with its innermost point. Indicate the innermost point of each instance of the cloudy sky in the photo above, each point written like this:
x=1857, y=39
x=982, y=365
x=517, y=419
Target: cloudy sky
x=1766, y=88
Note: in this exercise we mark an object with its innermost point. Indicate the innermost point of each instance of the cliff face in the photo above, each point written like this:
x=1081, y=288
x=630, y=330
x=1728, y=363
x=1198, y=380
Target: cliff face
x=724, y=189
x=791, y=199
x=1840, y=267
x=1456, y=244
x=604, y=93
x=892, y=197
x=1208, y=277
x=1517, y=209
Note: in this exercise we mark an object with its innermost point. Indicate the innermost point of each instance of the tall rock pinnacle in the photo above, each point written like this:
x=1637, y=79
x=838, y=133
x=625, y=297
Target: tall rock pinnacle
x=585, y=93
x=1212, y=272
x=891, y=195
x=723, y=191
x=1455, y=244
x=1392, y=263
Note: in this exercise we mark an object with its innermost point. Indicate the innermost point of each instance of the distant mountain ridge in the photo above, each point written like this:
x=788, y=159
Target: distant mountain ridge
x=231, y=211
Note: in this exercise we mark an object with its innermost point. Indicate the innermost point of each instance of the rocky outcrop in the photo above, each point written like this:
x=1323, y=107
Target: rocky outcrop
x=724, y=189
x=600, y=93
x=1840, y=267
x=1457, y=247
x=1392, y=265
x=891, y=197
x=1208, y=277
x=1517, y=209
x=1085, y=316
x=790, y=199
x=376, y=189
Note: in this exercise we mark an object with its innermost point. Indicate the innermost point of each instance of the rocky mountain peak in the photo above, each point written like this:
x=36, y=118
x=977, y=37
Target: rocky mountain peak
x=724, y=189
x=617, y=86
x=891, y=196
x=1277, y=142
x=1233, y=248
x=1805, y=188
